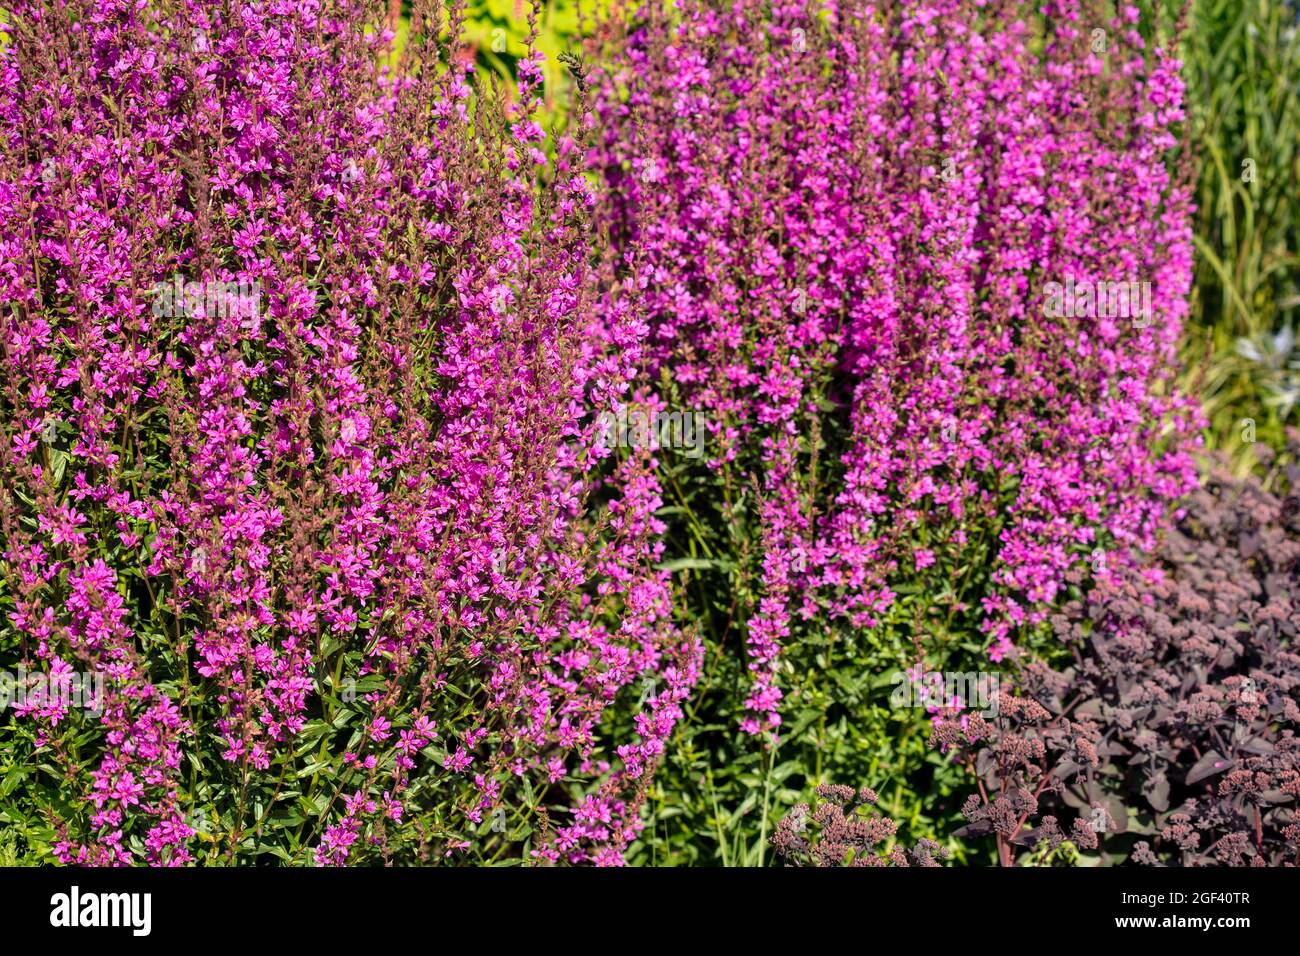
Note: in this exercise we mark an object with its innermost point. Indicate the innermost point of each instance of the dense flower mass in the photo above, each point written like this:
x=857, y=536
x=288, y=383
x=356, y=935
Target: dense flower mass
x=349, y=414
x=302, y=364
x=849, y=223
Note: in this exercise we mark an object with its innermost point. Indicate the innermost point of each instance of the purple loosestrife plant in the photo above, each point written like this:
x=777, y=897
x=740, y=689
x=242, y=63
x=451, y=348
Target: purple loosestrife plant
x=849, y=223
x=304, y=362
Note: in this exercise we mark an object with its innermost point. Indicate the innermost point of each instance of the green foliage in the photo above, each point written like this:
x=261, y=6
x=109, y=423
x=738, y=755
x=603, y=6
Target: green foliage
x=11, y=853
x=1242, y=60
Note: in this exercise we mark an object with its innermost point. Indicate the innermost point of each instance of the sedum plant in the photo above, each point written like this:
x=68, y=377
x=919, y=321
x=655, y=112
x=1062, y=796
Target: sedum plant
x=1170, y=737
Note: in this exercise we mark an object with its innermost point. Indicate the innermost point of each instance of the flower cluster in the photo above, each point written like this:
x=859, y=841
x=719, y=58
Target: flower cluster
x=361, y=575
x=845, y=220
x=312, y=341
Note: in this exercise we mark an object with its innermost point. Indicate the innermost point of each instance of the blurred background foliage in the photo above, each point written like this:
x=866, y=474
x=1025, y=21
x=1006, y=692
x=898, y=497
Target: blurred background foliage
x=1243, y=75
x=498, y=29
